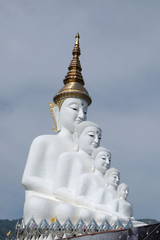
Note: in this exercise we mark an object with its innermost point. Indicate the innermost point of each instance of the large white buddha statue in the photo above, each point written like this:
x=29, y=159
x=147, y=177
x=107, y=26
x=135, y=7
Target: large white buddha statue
x=67, y=175
x=70, y=108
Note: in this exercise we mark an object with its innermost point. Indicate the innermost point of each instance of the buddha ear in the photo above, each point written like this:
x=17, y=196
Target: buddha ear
x=75, y=142
x=54, y=109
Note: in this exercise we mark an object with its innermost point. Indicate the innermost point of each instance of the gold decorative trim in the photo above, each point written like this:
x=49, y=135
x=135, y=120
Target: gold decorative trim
x=51, y=107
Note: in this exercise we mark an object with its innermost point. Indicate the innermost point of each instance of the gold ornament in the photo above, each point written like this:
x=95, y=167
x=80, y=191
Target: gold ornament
x=73, y=82
x=54, y=109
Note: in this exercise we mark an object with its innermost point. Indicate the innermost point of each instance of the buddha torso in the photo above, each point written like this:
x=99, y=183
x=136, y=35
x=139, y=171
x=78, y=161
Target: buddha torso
x=90, y=183
x=42, y=161
x=70, y=168
x=124, y=208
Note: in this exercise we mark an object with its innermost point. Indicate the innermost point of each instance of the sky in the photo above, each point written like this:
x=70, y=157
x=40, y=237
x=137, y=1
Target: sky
x=120, y=58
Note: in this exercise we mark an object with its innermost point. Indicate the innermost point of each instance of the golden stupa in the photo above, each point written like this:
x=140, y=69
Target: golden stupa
x=73, y=82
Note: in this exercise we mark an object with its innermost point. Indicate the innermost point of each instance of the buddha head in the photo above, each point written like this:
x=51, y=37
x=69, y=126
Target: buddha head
x=102, y=159
x=113, y=177
x=73, y=111
x=87, y=136
x=71, y=102
x=123, y=191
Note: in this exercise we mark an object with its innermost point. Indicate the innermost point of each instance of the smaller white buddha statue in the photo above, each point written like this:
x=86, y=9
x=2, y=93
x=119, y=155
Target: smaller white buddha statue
x=91, y=182
x=122, y=208
x=72, y=165
x=105, y=196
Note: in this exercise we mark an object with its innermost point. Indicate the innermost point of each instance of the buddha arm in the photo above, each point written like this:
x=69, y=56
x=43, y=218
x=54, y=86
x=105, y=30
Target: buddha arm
x=61, y=188
x=100, y=204
x=99, y=199
x=33, y=176
x=131, y=212
x=82, y=193
x=115, y=206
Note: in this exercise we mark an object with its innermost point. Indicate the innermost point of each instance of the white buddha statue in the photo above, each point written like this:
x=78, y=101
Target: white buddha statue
x=65, y=175
x=91, y=182
x=71, y=108
x=105, y=196
x=72, y=165
x=121, y=207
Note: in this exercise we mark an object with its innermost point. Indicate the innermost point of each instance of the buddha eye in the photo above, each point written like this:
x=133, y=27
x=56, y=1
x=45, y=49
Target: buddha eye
x=74, y=108
x=91, y=135
x=99, y=137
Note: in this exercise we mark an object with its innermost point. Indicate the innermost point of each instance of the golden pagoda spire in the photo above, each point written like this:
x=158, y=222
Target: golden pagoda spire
x=74, y=74
x=73, y=82
x=77, y=39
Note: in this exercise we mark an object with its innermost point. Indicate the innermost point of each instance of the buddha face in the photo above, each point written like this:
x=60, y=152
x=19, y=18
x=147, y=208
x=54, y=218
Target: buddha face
x=102, y=161
x=124, y=192
x=89, y=139
x=72, y=112
x=114, y=179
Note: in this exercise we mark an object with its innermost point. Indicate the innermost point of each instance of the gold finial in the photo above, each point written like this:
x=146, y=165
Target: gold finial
x=73, y=82
x=74, y=74
x=77, y=37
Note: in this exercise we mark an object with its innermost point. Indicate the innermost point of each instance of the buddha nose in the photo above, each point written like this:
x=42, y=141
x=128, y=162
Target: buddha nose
x=96, y=139
x=117, y=178
x=81, y=114
x=107, y=160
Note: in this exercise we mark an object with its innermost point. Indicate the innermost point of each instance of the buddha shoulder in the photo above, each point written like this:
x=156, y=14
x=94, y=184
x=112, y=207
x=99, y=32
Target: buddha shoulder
x=44, y=140
x=68, y=156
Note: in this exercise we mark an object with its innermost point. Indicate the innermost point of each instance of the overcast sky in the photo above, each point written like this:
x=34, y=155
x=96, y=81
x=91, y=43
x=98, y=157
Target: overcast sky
x=120, y=46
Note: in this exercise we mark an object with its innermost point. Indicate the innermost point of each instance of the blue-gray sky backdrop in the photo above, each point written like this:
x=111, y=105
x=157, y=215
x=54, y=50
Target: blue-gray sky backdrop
x=120, y=46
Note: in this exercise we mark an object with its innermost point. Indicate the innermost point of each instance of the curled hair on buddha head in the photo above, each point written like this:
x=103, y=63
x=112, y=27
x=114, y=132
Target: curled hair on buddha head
x=83, y=125
x=120, y=187
x=96, y=151
x=109, y=172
